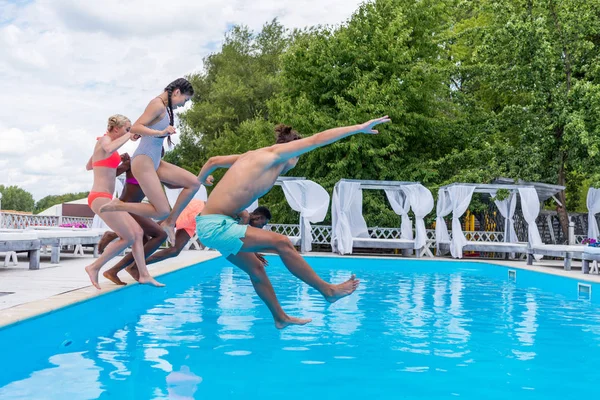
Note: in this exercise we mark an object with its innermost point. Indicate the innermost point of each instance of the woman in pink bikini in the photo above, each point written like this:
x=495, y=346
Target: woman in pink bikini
x=104, y=162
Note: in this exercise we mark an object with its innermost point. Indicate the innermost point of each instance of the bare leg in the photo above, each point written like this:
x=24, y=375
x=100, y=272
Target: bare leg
x=105, y=240
x=157, y=238
x=158, y=208
x=128, y=230
x=174, y=176
x=261, y=240
x=181, y=239
x=110, y=251
x=248, y=263
x=138, y=254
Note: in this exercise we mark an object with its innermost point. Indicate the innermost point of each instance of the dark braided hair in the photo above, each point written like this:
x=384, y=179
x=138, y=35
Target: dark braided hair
x=185, y=87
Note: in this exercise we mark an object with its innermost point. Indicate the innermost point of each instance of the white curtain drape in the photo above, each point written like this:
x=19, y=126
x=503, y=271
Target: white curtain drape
x=346, y=216
x=460, y=196
x=507, y=209
x=593, y=205
x=421, y=203
x=311, y=201
x=401, y=206
x=443, y=208
x=530, y=205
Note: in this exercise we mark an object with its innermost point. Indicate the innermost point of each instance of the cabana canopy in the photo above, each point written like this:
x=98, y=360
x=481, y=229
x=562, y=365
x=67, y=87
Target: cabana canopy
x=455, y=199
x=308, y=198
x=348, y=223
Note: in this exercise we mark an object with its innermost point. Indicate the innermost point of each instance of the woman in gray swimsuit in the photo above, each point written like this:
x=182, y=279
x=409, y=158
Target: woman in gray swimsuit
x=156, y=124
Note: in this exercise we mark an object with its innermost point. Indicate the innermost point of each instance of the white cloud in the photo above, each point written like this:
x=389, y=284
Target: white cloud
x=67, y=65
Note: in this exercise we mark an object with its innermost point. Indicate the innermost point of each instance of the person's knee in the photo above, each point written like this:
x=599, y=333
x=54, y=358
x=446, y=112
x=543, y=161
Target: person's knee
x=162, y=235
x=257, y=272
x=194, y=185
x=283, y=244
x=137, y=234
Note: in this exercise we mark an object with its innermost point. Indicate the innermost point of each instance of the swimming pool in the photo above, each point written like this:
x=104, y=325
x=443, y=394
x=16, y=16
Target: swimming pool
x=414, y=329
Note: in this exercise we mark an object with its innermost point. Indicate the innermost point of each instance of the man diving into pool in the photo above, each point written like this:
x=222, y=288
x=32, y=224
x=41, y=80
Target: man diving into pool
x=249, y=177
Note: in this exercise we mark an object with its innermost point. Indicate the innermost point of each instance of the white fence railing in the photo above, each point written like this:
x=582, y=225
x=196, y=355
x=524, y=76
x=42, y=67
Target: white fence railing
x=9, y=220
x=322, y=233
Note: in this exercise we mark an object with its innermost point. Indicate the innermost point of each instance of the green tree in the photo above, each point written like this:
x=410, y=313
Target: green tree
x=532, y=72
x=387, y=59
x=233, y=88
x=16, y=199
x=51, y=200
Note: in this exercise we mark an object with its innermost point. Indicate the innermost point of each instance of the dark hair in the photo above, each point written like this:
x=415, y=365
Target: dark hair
x=264, y=211
x=185, y=87
x=285, y=133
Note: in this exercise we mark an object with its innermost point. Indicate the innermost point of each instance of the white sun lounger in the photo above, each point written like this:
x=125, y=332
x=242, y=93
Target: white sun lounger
x=56, y=238
x=590, y=254
x=21, y=241
x=491, y=247
x=568, y=252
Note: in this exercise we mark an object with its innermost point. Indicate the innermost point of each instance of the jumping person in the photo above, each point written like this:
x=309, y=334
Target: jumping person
x=104, y=162
x=156, y=124
x=154, y=235
x=250, y=176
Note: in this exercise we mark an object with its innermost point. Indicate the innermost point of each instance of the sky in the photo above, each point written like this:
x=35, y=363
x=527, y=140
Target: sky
x=67, y=65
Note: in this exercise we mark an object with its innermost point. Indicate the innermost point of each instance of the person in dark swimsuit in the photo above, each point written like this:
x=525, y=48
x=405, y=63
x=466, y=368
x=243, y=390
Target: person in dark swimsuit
x=154, y=235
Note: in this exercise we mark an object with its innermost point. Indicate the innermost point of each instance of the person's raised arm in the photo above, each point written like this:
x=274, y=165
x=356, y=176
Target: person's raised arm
x=214, y=163
x=154, y=109
x=110, y=146
x=298, y=147
x=88, y=166
x=125, y=164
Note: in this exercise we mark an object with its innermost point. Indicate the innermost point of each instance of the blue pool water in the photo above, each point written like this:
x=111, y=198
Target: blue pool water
x=414, y=330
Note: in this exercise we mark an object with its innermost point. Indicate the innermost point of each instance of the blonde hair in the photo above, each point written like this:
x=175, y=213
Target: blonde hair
x=117, y=121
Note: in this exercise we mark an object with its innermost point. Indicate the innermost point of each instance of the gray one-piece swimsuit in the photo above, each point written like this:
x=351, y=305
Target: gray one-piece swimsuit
x=151, y=146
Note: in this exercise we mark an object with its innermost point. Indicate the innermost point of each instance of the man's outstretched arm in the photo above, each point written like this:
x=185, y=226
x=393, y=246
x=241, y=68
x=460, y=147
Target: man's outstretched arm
x=298, y=147
x=214, y=163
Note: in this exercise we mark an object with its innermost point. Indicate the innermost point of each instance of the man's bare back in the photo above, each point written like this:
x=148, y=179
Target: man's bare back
x=251, y=176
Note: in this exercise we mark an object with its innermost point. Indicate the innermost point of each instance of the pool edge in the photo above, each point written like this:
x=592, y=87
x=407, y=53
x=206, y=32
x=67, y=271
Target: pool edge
x=35, y=309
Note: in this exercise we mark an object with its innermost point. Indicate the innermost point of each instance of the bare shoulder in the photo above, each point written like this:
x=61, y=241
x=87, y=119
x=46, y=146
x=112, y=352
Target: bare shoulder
x=155, y=106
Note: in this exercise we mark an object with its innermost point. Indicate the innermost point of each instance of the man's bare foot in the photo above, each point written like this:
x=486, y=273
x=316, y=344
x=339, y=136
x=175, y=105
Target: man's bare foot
x=133, y=271
x=343, y=289
x=105, y=240
x=93, y=274
x=170, y=230
x=150, y=281
x=291, y=321
x=112, y=276
x=114, y=205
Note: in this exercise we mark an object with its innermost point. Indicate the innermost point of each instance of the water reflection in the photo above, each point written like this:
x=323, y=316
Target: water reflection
x=346, y=317
x=73, y=377
x=237, y=305
x=161, y=327
x=182, y=384
x=526, y=328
